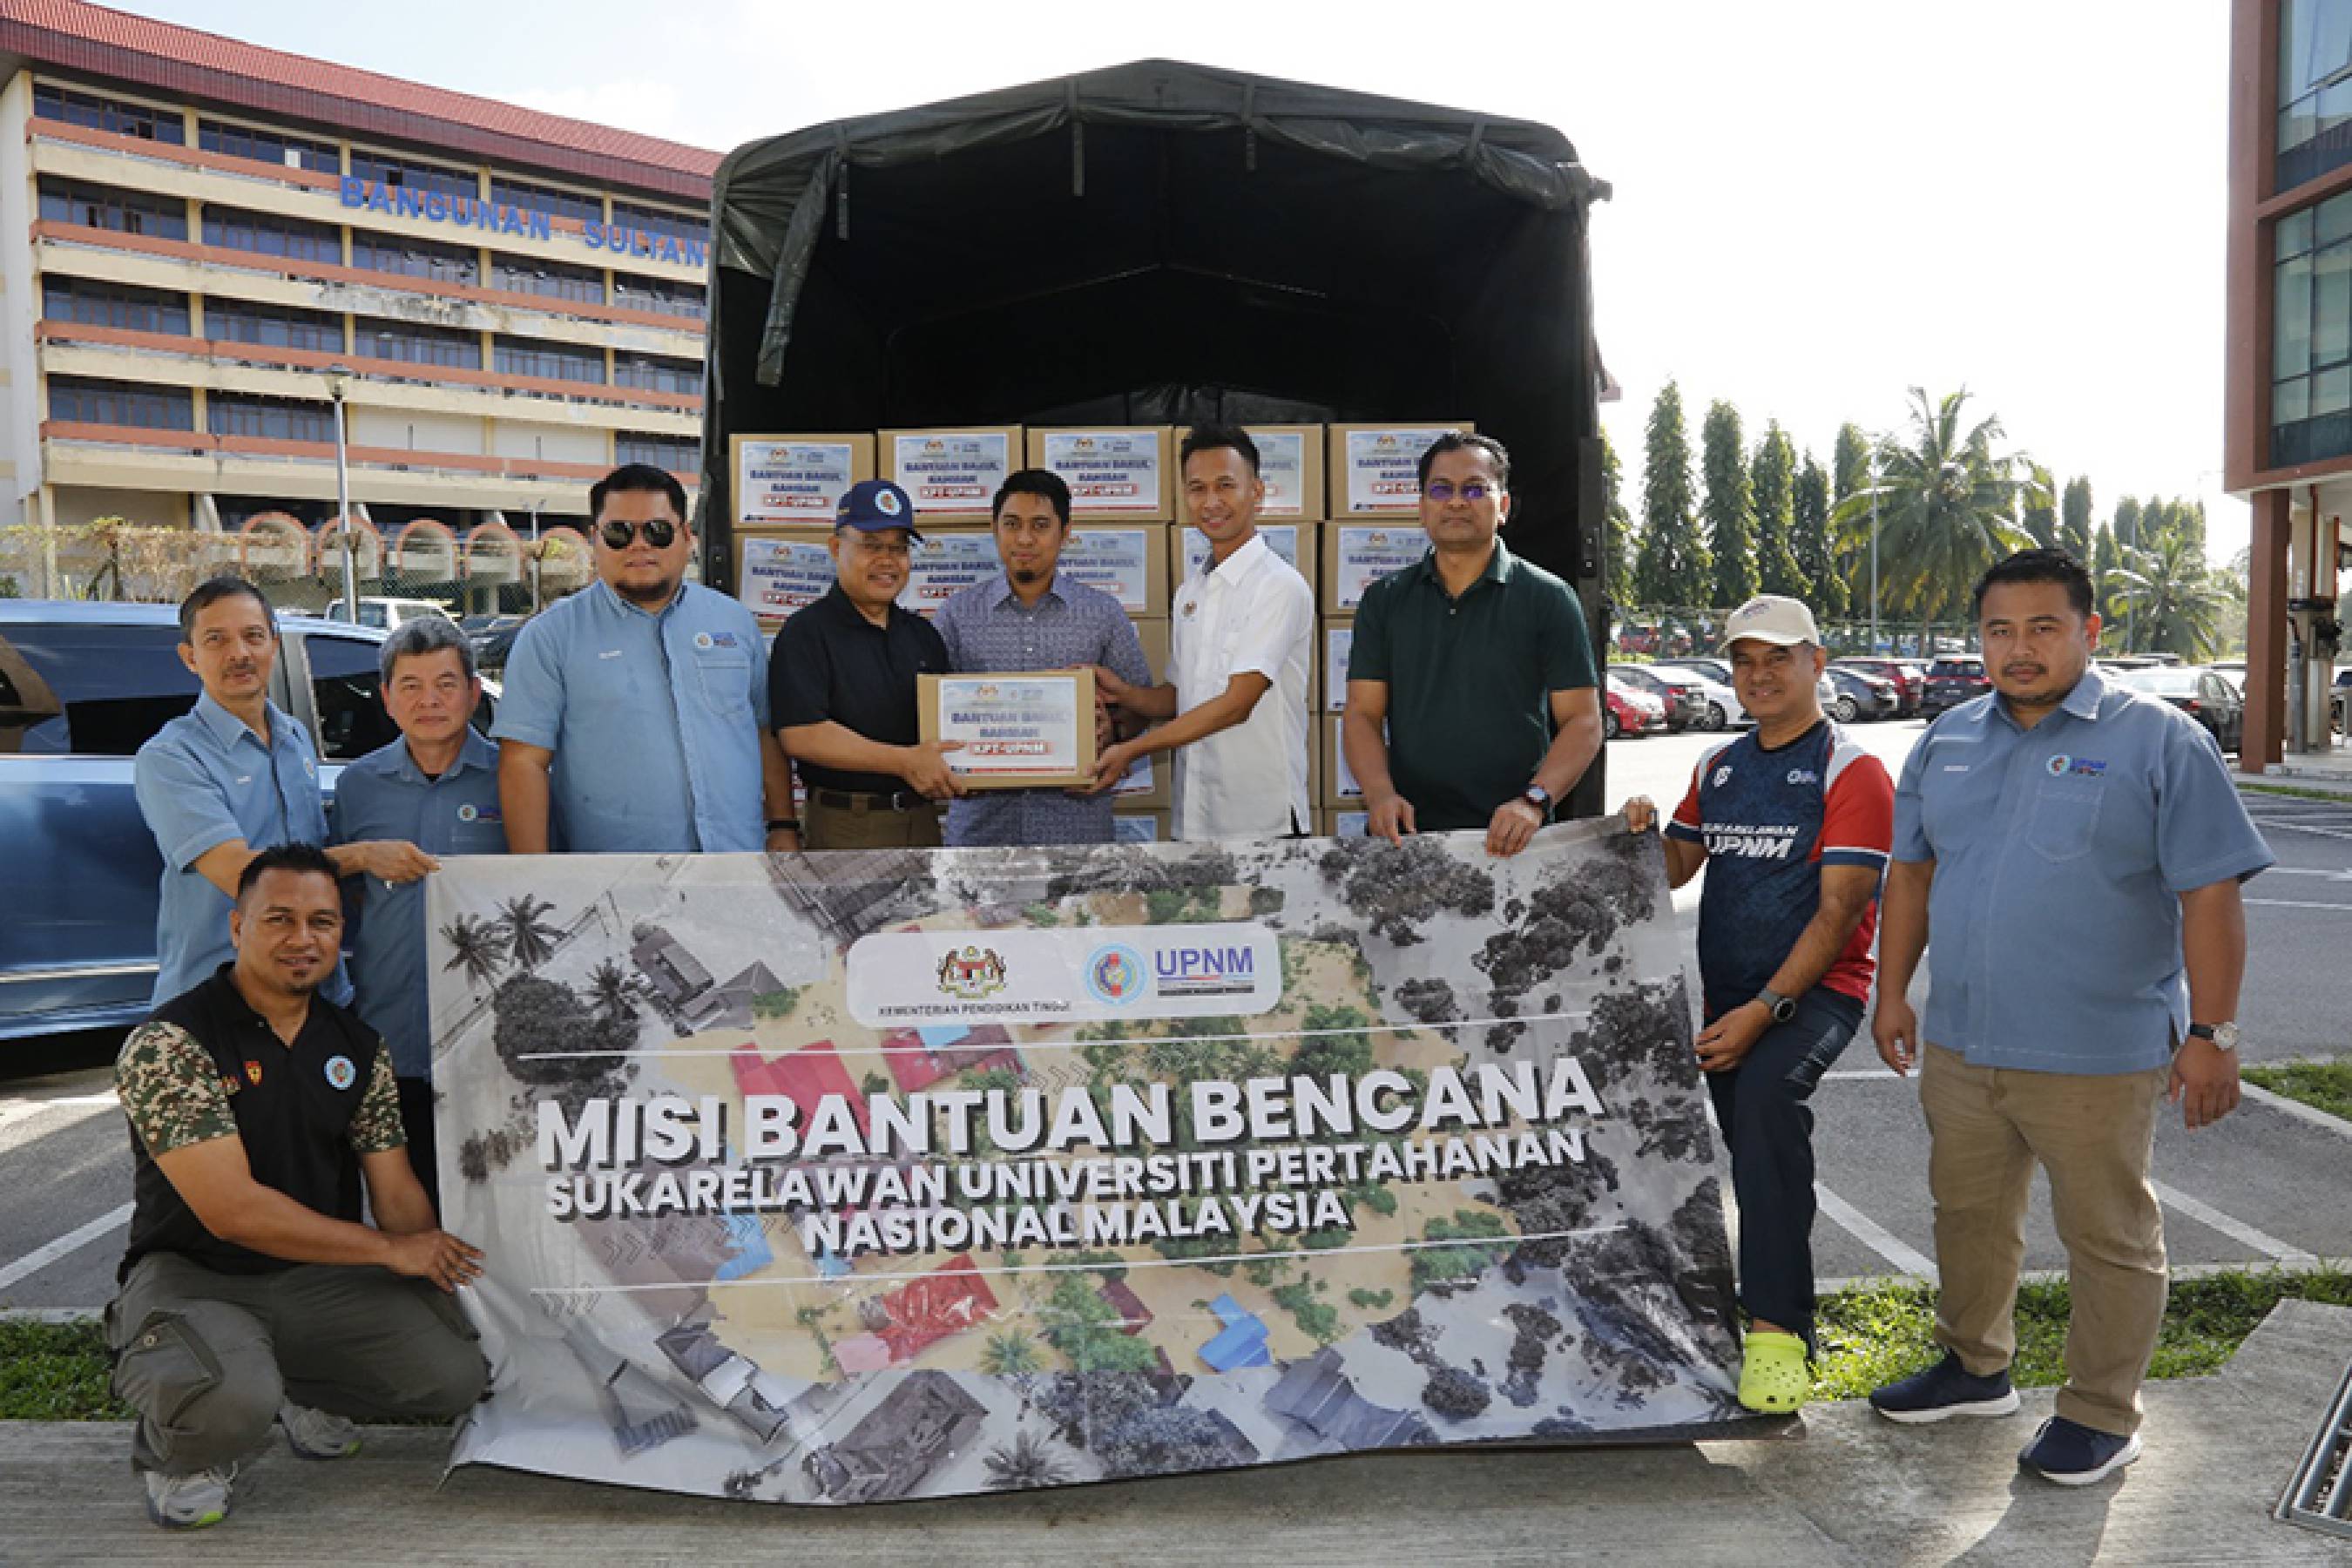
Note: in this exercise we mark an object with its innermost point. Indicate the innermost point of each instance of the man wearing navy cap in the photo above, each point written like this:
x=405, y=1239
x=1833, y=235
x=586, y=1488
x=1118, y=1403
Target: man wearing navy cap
x=842, y=685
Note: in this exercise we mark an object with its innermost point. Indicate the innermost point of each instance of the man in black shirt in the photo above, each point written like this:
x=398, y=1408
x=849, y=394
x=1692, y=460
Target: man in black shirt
x=253, y=1289
x=841, y=688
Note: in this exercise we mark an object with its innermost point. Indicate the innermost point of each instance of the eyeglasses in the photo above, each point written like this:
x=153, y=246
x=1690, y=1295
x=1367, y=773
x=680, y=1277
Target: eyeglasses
x=1444, y=490
x=659, y=534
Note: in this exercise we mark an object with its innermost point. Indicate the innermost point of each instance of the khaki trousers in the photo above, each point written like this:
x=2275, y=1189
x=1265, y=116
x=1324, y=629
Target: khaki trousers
x=870, y=824
x=2095, y=1135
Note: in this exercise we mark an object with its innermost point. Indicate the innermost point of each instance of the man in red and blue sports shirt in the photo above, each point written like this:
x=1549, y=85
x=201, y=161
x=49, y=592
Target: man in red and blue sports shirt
x=1793, y=823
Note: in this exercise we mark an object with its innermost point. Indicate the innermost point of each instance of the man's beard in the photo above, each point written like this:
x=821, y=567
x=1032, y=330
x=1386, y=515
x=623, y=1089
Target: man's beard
x=654, y=593
x=1028, y=574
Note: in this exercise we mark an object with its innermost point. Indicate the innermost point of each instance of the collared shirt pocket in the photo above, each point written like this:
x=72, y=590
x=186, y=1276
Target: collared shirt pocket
x=726, y=676
x=2065, y=817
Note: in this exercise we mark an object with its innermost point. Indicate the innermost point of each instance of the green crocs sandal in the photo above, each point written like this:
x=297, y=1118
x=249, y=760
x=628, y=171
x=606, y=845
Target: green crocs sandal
x=1774, y=1379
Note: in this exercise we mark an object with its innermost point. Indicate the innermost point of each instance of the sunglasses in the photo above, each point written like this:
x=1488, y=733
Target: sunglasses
x=659, y=534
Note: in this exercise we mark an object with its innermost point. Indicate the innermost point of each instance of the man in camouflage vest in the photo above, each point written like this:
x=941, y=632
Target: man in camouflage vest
x=253, y=1290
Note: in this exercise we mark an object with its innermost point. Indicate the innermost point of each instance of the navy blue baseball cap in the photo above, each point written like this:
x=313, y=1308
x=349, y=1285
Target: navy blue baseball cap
x=873, y=505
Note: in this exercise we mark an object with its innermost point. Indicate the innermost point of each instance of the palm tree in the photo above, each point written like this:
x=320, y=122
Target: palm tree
x=1010, y=1354
x=477, y=946
x=2177, y=600
x=1025, y=1463
x=610, y=994
x=530, y=938
x=1947, y=505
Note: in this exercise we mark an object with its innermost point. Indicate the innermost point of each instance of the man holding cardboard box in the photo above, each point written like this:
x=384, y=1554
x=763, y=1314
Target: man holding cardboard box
x=1031, y=617
x=1476, y=667
x=1244, y=623
x=842, y=687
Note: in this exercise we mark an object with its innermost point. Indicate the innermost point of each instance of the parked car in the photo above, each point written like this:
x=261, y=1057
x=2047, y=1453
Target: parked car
x=1686, y=706
x=2342, y=699
x=1716, y=705
x=1905, y=678
x=1629, y=710
x=387, y=614
x=495, y=639
x=1861, y=696
x=82, y=686
x=2205, y=695
x=1952, y=680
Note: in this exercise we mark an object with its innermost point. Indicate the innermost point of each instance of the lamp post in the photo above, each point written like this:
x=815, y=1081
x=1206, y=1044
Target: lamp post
x=1874, y=549
x=336, y=377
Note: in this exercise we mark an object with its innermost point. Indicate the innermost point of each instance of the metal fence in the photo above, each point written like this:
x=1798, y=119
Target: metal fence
x=1665, y=632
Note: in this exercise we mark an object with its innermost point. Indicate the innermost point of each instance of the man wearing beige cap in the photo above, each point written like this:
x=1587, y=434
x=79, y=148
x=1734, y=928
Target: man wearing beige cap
x=1794, y=822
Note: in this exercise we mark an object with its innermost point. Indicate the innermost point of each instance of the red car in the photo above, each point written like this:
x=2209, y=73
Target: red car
x=1629, y=712
x=1909, y=683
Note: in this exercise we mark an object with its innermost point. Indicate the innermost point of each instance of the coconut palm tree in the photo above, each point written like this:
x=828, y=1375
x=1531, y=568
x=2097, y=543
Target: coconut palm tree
x=1010, y=1354
x=1947, y=505
x=610, y=994
x=2177, y=601
x=530, y=940
x=1023, y=1463
x=477, y=946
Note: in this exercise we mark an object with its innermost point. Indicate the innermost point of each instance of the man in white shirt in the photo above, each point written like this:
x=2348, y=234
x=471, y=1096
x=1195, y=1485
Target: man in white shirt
x=1244, y=626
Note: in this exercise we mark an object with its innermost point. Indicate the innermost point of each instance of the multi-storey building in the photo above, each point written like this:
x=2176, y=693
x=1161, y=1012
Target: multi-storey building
x=202, y=243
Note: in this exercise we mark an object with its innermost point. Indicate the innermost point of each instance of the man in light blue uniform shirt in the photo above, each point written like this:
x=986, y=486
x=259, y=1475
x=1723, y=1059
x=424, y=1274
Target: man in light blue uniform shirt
x=635, y=718
x=235, y=777
x=437, y=787
x=2076, y=850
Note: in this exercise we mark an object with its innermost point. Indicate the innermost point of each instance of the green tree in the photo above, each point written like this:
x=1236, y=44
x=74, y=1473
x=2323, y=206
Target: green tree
x=2041, y=519
x=1617, y=544
x=476, y=946
x=2126, y=525
x=1671, y=567
x=2177, y=601
x=1849, y=473
x=1730, y=509
x=609, y=992
x=1946, y=500
x=2105, y=559
x=1772, y=485
x=1084, y=1327
x=2074, y=531
x=1816, y=562
x=529, y=938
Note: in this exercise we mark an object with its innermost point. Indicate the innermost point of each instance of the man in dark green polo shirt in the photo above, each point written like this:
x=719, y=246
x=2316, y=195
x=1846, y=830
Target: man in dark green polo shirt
x=1471, y=695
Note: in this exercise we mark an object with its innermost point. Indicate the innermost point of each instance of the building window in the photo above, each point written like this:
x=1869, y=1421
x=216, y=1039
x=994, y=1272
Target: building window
x=650, y=372
x=522, y=275
x=414, y=258
x=655, y=220
x=104, y=206
x=546, y=199
x=450, y=348
x=87, y=109
x=679, y=453
x=407, y=173
x=272, y=147
x=2311, y=335
x=269, y=418
x=660, y=295
x=267, y=234
x=79, y=400
x=273, y=326
x=117, y=305
x=549, y=361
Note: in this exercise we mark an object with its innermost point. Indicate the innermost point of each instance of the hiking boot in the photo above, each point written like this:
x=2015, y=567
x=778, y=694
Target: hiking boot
x=316, y=1435
x=189, y=1501
x=2074, y=1455
x=1943, y=1391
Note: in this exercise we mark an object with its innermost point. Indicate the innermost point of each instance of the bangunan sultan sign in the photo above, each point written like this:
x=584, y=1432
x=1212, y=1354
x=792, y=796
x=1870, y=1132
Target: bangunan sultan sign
x=842, y=1178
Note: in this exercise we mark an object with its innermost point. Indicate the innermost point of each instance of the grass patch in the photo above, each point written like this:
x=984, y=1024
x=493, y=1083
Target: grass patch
x=2323, y=1086
x=1873, y=1336
x=2333, y=797
x=55, y=1372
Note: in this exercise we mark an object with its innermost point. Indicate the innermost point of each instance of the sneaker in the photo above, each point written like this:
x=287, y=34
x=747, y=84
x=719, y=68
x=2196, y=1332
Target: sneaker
x=1943, y=1391
x=189, y=1501
x=2074, y=1455
x=316, y=1435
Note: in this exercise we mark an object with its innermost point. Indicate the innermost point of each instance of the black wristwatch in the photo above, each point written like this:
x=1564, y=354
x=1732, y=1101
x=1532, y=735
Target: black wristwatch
x=1784, y=1008
x=783, y=825
x=1535, y=795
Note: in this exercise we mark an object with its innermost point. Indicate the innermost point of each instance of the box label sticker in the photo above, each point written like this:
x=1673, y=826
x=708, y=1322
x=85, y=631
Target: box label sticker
x=783, y=576
x=1114, y=561
x=1108, y=470
x=1382, y=472
x=951, y=472
x=792, y=481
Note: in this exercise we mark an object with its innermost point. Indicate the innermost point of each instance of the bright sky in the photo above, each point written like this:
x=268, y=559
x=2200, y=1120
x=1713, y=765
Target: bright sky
x=1817, y=205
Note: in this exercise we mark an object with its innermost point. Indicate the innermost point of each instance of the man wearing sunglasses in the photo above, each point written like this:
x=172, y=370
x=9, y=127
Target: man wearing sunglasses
x=635, y=718
x=1471, y=695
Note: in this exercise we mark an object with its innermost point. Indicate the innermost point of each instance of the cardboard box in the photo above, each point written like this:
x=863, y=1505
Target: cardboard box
x=1339, y=787
x=927, y=707
x=1122, y=472
x=1157, y=651
x=948, y=561
x=1357, y=554
x=952, y=474
x=1376, y=467
x=1141, y=827
x=1347, y=824
x=1151, y=786
x=1339, y=635
x=781, y=481
x=779, y=571
x=1290, y=461
x=1294, y=542
x=1127, y=561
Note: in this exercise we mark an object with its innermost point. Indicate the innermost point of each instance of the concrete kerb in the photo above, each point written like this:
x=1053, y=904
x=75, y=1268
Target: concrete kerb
x=1843, y=1487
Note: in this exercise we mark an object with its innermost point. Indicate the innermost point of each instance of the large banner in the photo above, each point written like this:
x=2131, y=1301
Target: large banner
x=842, y=1178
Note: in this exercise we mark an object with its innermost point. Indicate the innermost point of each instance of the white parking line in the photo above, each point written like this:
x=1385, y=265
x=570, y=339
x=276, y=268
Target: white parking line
x=2237, y=1230
x=82, y=1106
x=71, y=1242
x=2297, y=904
x=2296, y=1109
x=1875, y=1237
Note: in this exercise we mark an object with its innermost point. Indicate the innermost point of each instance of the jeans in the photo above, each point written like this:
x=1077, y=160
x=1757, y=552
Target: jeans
x=1767, y=1124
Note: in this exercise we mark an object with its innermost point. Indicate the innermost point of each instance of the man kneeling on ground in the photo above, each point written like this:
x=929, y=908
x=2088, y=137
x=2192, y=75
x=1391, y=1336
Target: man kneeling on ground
x=253, y=1292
